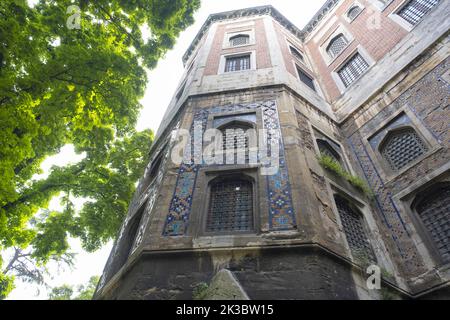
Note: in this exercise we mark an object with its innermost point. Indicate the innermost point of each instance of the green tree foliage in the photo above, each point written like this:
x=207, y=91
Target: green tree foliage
x=67, y=292
x=59, y=86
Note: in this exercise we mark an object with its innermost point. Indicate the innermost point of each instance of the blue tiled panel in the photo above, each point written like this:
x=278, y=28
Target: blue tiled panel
x=281, y=212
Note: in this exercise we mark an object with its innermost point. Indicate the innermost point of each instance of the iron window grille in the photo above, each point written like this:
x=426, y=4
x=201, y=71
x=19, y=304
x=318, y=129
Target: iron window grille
x=353, y=69
x=434, y=211
x=353, y=224
x=353, y=12
x=337, y=45
x=235, y=139
x=306, y=79
x=239, y=40
x=237, y=63
x=230, y=206
x=415, y=10
x=296, y=53
x=402, y=147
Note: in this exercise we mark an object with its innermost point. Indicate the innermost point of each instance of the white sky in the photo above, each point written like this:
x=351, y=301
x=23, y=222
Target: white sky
x=162, y=84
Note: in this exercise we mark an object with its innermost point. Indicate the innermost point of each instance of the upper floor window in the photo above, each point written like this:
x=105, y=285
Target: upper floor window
x=296, y=53
x=306, y=79
x=353, y=69
x=402, y=147
x=230, y=205
x=433, y=208
x=336, y=45
x=237, y=63
x=239, y=40
x=354, y=12
x=355, y=232
x=415, y=10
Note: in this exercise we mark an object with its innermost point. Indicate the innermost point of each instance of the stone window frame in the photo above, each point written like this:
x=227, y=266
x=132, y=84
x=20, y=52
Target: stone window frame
x=371, y=227
x=320, y=135
x=340, y=29
x=381, y=165
x=402, y=22
x=309, y=74
x=419, y=234
x=246, y=31
x=335, y=73
x=351, y=7
x=224, y=57
x=291, y=43
x=249, y=174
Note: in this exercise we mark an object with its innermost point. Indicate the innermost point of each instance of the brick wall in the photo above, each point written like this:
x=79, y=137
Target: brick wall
x=377, y=42
x=260, y=46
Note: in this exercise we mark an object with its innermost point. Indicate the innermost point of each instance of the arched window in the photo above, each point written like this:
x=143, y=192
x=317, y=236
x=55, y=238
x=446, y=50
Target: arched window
x=239, y=40
x=327, y=150
x=236, y=141
x=353, y=12
x=433, y=208
x=402, y=147
x=230, y=205
x=336, y=45
x=353, y=224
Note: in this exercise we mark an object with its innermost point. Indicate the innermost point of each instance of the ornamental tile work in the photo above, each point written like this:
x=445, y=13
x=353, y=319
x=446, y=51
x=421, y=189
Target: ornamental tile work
x=281, y=213
x=428, y=99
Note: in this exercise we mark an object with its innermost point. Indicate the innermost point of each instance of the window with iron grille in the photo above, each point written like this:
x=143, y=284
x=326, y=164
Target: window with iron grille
x=434, y=211
x=235, y=139
x=402, y=147
x=353, y=12
x=353, y=224
x=237, y=63
x=296, y=53
x=306, y=79
x=239, y=40
x=230, y=206
x=415, y=10
x=327, y=150
x=337, y=44
x=353, y=69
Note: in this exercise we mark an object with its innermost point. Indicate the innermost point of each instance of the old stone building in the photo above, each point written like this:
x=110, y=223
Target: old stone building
x=359, y=103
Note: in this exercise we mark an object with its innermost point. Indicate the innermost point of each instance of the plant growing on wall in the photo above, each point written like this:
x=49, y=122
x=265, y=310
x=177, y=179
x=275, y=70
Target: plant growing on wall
x=332, y=165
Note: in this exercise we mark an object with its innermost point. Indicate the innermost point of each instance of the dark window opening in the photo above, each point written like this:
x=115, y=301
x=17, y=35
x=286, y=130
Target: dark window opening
x=353, y=69
x=353, y=12
x=337, y=45
x=306, y=79
x=401, y=148
x=327, y=150
x=355, y=233
x=230, y=206
x=235, y=139
x=434, y=210
x=296, y=53
x=239, y=40
x=237, y=63
x=415, y=10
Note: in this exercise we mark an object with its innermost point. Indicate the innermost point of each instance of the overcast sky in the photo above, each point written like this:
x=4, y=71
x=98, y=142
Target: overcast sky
x=162, y=84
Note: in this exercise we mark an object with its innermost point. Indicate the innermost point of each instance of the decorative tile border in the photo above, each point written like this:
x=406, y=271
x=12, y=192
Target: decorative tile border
x=428, y=95
x=281, y=212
